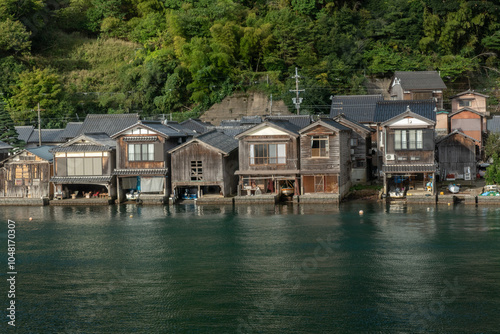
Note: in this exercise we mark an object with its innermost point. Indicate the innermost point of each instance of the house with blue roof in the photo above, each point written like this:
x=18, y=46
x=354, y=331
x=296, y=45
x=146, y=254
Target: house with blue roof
x=27, y=173
x=205, y=165
x=325, y=161
x=142, y=159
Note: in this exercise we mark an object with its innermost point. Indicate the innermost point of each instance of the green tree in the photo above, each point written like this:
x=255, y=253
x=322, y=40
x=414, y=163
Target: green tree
x=34, y=87
x=493, y=171
x=14, y=39
x=8, y=133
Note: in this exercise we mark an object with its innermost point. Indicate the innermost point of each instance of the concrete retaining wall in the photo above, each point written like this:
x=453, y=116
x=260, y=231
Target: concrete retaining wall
x=24, y=201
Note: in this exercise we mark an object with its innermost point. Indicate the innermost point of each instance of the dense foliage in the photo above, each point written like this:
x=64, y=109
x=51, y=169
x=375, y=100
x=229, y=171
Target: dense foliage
x=170, y=56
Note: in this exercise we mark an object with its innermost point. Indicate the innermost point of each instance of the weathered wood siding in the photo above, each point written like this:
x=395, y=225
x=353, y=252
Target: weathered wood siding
x=455, y=153
x=211, y=162
x=292, y=162
x=423, y=156
x=159, y=155
x=26, y=179
x=329, y=164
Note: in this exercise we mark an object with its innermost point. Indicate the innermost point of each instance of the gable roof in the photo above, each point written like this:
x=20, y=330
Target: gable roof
x=218, y=140
x=95, y=142
x=455, y=132
x=466, y=109
x=71, y=131
x=286, y=126
x=408, y=113
x=359, y=108
x=165, y=130
x=344, y=120
x=299, y=121
x=418, y=80
x=107, y=123
x=469, y=91
x=48, y=136
x=24, y=132
x=196, y=125
x=328, y=122
x=231, y=131
x=4, y=146
x=386, y=110
x=42, y=152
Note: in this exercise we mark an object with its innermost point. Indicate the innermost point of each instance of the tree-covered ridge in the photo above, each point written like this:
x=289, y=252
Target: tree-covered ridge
x=170, y=56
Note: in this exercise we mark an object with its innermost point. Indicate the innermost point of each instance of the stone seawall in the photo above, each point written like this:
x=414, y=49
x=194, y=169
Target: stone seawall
x=24, y=201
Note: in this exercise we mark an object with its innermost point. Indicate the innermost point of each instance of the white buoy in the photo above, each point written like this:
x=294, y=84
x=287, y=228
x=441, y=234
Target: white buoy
x=131, y=216
x=31, y=218
x=360, y=212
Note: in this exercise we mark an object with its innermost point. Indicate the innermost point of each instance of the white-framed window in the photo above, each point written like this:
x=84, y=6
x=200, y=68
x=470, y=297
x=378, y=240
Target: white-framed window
x=267, y=154
x=84, y=166
x=408, y=140
x=141, y=152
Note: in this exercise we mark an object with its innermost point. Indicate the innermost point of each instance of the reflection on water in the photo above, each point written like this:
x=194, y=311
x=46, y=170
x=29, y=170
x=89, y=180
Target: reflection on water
x=250, y=269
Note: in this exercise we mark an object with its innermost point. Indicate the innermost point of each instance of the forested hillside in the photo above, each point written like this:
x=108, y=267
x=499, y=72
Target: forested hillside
x=75, y=57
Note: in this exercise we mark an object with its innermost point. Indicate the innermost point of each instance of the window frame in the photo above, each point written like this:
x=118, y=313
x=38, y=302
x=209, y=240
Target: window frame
x=146, y=152
x=260, y=154
x=408, y=140
x=320, y=152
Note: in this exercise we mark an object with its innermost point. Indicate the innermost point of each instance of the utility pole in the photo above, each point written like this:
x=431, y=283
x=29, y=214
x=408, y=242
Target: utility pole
x=39, y=127
x=297, y=100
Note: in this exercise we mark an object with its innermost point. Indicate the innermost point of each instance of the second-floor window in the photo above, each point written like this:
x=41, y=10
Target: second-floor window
x=319, y=146
x=408, y=140
x=141, y=152
x=83, y=166
x=464, y=103
x=267, y=154
x=196, y=171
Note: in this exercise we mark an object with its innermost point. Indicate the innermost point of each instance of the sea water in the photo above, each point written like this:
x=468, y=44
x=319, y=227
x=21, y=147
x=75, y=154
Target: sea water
x=253, y=269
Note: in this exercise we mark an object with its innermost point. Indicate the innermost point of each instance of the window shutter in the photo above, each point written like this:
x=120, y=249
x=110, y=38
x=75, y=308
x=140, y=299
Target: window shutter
x=61, y=167
x=159, y=154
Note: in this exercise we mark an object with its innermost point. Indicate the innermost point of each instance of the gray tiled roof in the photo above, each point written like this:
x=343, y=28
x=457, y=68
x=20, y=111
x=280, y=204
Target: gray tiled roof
x=334, y=124
x=342, y=116
x=196, y=125
x=420, y=80
x=102, y=143
x=285, y=124
x=230, y=122
x=299, y=121
x=48, y=136
x=24, y=132
x=141, y=171
x=246, y=120
x=409, y=168
x=493, y=124
x=181, y=129
x=469, y=91
x=82, y=179
x=231, y=131
x=360, y=108
x=4, y=146
x=455, y=132
x=107, y=123
x=42, y=152
x=219, y=140
x=71, y=131
x=386, y=110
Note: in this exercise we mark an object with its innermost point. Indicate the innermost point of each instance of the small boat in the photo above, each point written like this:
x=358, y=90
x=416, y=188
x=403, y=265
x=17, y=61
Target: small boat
x=397, y=193
x=287, y=189
x=454, y=188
